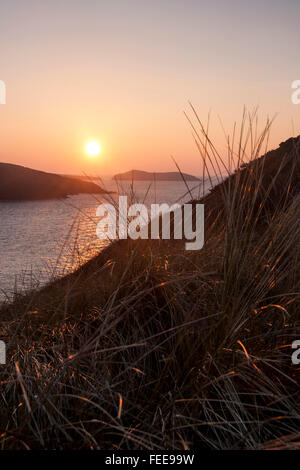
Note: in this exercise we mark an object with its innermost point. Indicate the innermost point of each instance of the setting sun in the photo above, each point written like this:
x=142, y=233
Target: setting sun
x=93, y=148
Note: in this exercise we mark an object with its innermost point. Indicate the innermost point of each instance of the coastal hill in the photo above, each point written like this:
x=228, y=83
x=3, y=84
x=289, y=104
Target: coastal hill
x=137, y=175
x=278, y=170
x=18, y=183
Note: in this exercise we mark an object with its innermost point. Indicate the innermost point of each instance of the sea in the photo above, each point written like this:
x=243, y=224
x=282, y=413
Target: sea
x=43, y=240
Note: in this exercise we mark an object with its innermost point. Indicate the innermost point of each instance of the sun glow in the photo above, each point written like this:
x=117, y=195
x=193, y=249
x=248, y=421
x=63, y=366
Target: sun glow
x=93, y=148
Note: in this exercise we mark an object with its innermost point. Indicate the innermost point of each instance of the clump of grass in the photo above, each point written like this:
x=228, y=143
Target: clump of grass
x=150, y=346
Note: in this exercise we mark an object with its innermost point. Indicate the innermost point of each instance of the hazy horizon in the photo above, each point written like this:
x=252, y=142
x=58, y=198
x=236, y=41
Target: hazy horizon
x=122, y=73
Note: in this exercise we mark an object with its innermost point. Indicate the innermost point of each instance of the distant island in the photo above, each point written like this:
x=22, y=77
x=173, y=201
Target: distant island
x=138, y=175
x=18, y=183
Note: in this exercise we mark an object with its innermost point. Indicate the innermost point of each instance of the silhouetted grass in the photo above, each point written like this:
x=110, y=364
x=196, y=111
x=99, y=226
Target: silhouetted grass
x=151, y=346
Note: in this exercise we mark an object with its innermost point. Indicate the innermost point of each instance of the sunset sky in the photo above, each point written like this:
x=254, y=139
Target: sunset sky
x=121, y=72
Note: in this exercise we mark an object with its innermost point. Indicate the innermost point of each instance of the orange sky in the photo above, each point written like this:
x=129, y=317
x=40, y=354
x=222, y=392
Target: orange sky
x=122, y=72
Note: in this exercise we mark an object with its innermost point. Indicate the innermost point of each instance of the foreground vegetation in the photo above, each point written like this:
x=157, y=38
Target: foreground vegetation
x=151, y=346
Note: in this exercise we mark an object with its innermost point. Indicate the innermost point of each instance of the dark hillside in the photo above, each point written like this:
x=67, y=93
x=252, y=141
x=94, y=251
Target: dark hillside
x=18, y=183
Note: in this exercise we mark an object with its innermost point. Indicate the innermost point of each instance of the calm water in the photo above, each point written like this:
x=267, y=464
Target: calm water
x=41, y=240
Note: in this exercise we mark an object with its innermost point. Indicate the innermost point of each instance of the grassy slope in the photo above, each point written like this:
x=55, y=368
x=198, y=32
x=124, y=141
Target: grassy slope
x=151, y=346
